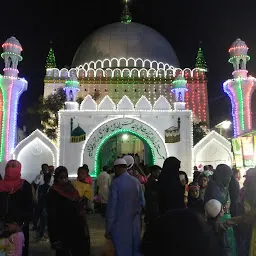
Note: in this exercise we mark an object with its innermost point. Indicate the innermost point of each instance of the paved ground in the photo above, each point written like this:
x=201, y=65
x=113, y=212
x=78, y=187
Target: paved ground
x=96, y=225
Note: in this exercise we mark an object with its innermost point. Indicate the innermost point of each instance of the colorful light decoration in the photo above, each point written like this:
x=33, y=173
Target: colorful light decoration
x=11, y=89
x=6, y=44
x=3, y=108
x=240, y=88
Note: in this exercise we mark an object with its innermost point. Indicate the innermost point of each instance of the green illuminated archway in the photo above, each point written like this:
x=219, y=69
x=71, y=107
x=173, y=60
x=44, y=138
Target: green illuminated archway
x=97, y=159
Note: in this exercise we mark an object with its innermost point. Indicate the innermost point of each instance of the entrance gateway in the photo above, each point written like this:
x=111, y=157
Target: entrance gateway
x=86, y=135
x=86, y=131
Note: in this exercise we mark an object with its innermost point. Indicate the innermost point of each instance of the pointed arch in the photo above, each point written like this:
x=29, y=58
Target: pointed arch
x=216, y=142
x=34, y=151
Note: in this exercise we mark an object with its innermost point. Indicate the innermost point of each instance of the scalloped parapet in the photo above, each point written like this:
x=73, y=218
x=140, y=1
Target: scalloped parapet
x=143, y=104
x=125, y=104
x=88, y=103
x=107, y=104
x=162, y=104
x=141, y=68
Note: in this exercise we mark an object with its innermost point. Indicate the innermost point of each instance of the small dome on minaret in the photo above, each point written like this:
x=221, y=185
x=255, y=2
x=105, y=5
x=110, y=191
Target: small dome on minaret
x=72, y=82
x=238, y=47
x=12, y=45
x=179, y=83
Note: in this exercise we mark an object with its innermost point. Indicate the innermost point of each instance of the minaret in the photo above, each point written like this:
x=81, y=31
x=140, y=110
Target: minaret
x=178, y=89
x=71, y=88
x=240, y=88
x=126, y=16
x=11, y=88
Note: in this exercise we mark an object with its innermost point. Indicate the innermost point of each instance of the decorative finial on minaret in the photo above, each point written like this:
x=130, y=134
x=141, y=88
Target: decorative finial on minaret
x=200, y=60
x=50, y=60
x=239, y=58
x=126, y=16
x=12, y=55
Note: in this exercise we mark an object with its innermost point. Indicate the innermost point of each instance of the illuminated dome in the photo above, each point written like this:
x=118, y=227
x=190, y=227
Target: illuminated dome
x=238, y=47
x=122, y=40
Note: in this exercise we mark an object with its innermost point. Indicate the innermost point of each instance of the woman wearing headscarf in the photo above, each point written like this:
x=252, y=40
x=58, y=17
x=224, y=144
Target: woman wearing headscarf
x=218, y=188
x=68, y=231
x=234, y=191
x=171, y=191
x=16, y=199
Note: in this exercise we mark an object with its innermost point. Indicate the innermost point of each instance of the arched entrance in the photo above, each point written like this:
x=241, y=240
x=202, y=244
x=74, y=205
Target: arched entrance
x=112, y=154
x=152, y=140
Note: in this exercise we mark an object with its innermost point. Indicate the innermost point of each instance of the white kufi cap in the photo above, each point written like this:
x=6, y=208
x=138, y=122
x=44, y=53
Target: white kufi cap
x=129, y=160
x=120, y=161
x=212, y=208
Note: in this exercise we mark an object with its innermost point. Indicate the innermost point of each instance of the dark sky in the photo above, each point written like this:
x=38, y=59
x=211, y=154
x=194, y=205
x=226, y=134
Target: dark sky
x=183, y=23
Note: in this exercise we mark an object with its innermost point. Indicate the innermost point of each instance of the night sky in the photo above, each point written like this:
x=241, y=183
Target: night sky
x=216, y=23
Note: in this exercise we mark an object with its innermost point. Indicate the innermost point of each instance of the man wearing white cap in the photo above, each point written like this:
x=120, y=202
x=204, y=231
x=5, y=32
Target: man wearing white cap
x=124, y=205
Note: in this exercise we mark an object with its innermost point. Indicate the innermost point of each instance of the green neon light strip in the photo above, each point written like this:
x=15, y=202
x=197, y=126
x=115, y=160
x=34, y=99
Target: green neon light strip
x=238, y=56
x=3, y=119
x=12, y=53
x=96, y=159
x=241, y=104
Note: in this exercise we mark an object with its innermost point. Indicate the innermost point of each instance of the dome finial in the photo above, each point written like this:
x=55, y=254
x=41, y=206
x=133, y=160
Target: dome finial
x=126, y=16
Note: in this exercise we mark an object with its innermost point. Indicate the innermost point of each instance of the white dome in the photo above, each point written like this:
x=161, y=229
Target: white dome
x=13, y=40
x=121, y=40
x=238, y=47
x=12, y=45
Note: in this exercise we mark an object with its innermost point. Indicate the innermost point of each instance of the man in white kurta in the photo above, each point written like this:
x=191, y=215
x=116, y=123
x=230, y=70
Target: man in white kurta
x=123, y=223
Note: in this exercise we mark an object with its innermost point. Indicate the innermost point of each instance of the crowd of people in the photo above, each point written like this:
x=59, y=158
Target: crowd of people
x=147, y=210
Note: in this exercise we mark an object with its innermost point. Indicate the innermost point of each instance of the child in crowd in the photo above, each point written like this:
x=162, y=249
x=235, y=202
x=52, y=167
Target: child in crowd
x=195, y=203
x=12, y=245
x=214, y=211
x=203, y=183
